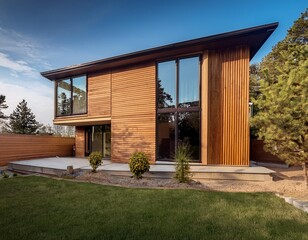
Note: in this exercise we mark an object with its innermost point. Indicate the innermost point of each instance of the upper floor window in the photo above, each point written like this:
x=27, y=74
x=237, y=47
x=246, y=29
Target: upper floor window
x=71, y=96
x=178, y=83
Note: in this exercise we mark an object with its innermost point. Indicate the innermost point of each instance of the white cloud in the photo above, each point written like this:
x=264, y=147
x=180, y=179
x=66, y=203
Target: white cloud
x=19, y=66
x=22, y=47
x=20, y=62
x=38, y=96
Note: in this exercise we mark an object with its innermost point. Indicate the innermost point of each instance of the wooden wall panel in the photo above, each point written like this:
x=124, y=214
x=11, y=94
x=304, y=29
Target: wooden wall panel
x=99, y=88
x=15, y=147
x=228, y=122
x=80, y=141
x=214, y=108
x=204, y=107
x=133, y=112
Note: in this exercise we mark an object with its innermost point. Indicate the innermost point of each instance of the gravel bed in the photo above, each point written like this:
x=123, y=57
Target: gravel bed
x=287, y=182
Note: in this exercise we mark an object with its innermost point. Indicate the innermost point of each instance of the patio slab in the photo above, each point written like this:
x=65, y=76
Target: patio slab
x=58, y=166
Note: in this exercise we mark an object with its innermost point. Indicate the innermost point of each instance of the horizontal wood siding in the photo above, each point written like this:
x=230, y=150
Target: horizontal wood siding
x=228, y=123
x=99, y=88
x=80, y=141
x=15, y=147
x=133, y=112
x=99, y=100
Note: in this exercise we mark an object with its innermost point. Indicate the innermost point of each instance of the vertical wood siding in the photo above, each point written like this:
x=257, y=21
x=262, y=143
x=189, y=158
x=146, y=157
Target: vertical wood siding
x=15, y=147
x=228, y=122
x=133, y=112
x=80, y=141
x=204, y=107
x=99, y=88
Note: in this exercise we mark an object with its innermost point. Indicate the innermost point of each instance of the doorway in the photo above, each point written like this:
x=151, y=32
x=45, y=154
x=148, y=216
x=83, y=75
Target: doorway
x=98, y=139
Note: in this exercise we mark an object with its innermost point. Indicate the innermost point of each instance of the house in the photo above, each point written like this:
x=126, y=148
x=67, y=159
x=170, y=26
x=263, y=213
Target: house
x=194, y=91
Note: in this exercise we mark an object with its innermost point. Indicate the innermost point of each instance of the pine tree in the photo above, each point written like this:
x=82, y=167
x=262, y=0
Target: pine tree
x=254, y=81
x=282, y=119
x=3, y=105
x=22, y=120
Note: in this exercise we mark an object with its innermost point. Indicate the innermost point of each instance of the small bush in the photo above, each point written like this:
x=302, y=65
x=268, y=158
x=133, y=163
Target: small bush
x=182, y=157
x=139, y=164
x=5, y=175
x=95, y=159
x=15, y=174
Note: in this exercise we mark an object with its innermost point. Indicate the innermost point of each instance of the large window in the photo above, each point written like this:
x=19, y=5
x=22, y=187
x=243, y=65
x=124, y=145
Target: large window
x=72, y=96
x=178, y=111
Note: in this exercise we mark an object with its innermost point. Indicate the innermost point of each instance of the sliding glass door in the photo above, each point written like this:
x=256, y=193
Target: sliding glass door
x=98, y=139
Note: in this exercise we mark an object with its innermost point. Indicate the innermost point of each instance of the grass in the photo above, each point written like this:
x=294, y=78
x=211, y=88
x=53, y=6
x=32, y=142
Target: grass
x=43, y=208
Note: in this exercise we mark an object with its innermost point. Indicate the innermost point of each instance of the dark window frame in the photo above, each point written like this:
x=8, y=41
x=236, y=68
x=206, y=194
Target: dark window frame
x=176, y=109
x=71, y=97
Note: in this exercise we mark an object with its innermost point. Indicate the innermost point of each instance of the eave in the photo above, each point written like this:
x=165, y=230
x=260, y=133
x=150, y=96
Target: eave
x=253, y=37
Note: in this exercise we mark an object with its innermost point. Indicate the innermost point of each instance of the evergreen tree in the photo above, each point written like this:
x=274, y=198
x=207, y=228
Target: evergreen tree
x=2, y=106
x=254, y=81
x=22, y=120
x=282, y=119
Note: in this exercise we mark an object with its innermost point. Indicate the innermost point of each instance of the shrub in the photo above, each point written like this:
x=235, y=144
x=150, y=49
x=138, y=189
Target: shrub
x=95, y=160
x=182, y=157
x=139, y=164
x=5, y=175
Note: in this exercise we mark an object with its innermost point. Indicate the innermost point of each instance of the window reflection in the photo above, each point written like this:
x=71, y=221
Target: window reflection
x=79, y=95
x=189, y=82
x=166, y=84
x=166, y=136
x=188, y=131
x=75, y=88
x=178, y=114
x=64, y=97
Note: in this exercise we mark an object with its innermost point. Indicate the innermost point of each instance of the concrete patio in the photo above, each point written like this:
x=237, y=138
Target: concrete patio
x=58, y=166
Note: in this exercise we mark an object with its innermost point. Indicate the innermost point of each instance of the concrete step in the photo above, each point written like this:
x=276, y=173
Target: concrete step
x=35, y=169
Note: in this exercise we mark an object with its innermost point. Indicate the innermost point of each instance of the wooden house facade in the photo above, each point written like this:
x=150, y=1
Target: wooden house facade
x=195, y=91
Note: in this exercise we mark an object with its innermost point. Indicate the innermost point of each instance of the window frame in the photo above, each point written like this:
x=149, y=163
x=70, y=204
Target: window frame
x=176, y=109
x=71, y=97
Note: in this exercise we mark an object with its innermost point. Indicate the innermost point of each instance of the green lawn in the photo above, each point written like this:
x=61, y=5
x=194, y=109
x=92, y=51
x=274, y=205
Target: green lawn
x=43, y=208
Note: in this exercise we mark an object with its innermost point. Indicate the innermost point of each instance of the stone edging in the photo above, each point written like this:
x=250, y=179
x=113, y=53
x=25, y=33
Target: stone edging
x=302, y=205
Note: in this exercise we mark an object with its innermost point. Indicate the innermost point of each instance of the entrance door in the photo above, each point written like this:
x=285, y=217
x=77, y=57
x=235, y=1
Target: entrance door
x=98, y=139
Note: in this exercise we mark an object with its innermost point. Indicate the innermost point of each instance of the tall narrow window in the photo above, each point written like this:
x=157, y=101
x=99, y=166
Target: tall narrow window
x=178, y=112
x=166, y=85
x=64, y=97
x=79, y=95
x=71, y=96
x=189, y=82
x=166, y=136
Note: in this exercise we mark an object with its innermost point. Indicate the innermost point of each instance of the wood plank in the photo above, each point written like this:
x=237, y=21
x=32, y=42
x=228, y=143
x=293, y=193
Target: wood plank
x=133, y=112
x=228, y=138
x=14, y=147
x=80, y=141
x=204, y=108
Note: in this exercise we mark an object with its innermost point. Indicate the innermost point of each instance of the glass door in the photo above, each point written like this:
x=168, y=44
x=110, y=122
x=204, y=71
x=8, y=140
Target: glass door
x=106, y=141
x=98, y=139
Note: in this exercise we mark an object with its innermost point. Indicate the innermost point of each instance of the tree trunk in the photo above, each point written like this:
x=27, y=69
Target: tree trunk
x=305, y=167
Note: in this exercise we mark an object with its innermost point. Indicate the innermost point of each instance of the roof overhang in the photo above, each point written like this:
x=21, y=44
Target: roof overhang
x=253, y=37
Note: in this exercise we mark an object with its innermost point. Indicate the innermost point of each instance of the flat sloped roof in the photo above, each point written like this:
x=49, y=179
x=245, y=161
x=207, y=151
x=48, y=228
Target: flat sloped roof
x=253, y=37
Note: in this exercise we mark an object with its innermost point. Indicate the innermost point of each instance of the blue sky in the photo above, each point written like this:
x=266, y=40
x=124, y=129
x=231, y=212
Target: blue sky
x=37, y=35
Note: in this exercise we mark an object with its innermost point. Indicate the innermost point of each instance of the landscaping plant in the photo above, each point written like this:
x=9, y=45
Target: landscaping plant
x=139, y=164
x=282, y=120
x=4, y=174
x=182, y=157
x=95, y=159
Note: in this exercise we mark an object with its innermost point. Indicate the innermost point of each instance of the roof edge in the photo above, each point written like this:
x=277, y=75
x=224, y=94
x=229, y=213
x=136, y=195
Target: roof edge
x=232, y=34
